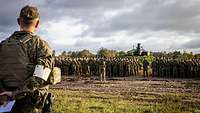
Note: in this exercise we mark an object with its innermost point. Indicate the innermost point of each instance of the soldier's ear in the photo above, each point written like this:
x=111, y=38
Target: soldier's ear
x=18, y=21
x=37, y=23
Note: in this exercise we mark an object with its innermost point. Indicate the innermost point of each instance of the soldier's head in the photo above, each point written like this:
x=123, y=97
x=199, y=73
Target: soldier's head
x=28, y=18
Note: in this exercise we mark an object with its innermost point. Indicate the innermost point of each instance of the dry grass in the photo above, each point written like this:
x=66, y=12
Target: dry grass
x=132, y=96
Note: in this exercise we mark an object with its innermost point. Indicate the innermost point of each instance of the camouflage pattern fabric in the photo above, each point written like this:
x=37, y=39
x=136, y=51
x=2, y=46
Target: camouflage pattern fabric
x=145, y=68
x=177, y=68
x=90, y=67
x=125, y=67
x=30, y=97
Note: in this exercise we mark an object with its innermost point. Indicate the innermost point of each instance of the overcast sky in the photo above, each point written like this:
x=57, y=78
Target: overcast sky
x=73, y=25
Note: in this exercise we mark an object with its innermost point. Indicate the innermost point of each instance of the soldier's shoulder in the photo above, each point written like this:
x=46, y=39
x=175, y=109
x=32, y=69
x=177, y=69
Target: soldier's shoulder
x=5, y=40
x=40, y=40
x=43, y=45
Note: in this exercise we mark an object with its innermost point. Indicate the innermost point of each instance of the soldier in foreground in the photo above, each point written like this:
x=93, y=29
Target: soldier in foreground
x=26, y=62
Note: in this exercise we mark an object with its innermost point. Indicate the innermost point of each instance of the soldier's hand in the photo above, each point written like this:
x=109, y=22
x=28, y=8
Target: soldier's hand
x=7, y=93
x=3, y=100
x=3, y=103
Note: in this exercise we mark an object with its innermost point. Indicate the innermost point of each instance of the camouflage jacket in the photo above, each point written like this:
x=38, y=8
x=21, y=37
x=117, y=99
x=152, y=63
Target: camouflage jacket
x=39, y=53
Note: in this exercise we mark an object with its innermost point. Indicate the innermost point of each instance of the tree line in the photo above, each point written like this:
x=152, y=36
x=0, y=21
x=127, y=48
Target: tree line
x=107, y=53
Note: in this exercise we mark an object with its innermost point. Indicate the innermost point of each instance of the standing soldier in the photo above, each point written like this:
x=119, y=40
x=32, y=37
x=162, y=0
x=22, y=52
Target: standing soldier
x=167, y=65
x=87, y=67
x=96, y=67
x=112, y=68
x=171, y=68
x=139, y=66
x=134, y=68
x=84, y=67
x=108, y=68
x=175, y=68
x=198, y=70
x=182, y=69
x=154, y=71
x=91, y=64
x=195, y=68
x=145, y=68
x=115, y=68
x=73, y=67
x=178, y=68
x=129, y=67
x=66, y=66
x=121, y=68
x=186, y=68
x=161, y=68
x=102, y=70
x=164, y=68
x=26, y=62
x=80, y=67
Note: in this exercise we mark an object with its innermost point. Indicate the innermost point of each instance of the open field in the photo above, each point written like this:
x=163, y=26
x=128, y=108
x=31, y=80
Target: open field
x=135, y=95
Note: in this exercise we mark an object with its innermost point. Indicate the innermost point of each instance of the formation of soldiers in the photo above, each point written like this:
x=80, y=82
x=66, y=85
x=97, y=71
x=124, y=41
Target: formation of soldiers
x=101, y=67
x=124, y=67
x=176, y=68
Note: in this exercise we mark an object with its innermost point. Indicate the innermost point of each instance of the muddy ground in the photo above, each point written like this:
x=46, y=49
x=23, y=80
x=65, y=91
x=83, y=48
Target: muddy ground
x=138, y=88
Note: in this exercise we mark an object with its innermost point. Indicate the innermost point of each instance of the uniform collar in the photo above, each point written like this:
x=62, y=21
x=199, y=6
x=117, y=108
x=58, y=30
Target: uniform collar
x=20, y=34
x=23, y=33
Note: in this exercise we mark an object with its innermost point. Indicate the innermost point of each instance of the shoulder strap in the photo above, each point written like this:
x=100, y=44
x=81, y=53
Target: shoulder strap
x=26, y=39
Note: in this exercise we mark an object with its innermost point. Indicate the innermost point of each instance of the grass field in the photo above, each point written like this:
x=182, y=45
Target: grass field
x=82, y=97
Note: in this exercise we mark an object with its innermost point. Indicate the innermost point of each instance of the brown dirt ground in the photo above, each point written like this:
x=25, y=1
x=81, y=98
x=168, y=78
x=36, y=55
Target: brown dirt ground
x=137, y=88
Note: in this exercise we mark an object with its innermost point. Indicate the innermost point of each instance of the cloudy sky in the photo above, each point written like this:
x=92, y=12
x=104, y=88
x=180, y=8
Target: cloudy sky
x=73, y=25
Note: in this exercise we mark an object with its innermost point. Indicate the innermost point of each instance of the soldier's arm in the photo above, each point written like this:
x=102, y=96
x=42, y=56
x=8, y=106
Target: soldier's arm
x=43, y=58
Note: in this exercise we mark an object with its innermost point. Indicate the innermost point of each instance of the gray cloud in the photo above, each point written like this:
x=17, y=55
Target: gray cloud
x=87, y=10
x=150, y=15
x=86, y=4
x=87, y=43
x=193, y=44
x=179, y=16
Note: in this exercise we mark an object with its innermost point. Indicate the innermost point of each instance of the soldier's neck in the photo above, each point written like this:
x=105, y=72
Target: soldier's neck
x=31, y=30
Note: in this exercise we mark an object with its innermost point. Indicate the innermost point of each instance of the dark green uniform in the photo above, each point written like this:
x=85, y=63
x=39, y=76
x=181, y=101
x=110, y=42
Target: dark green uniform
x=145, y=68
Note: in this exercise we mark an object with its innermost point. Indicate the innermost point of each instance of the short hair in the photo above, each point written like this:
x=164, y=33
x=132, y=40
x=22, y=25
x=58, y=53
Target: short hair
x=27, y=15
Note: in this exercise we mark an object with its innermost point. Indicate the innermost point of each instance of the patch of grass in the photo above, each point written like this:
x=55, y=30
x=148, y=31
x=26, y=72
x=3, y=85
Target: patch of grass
x=67, y=101
x=193, y=85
